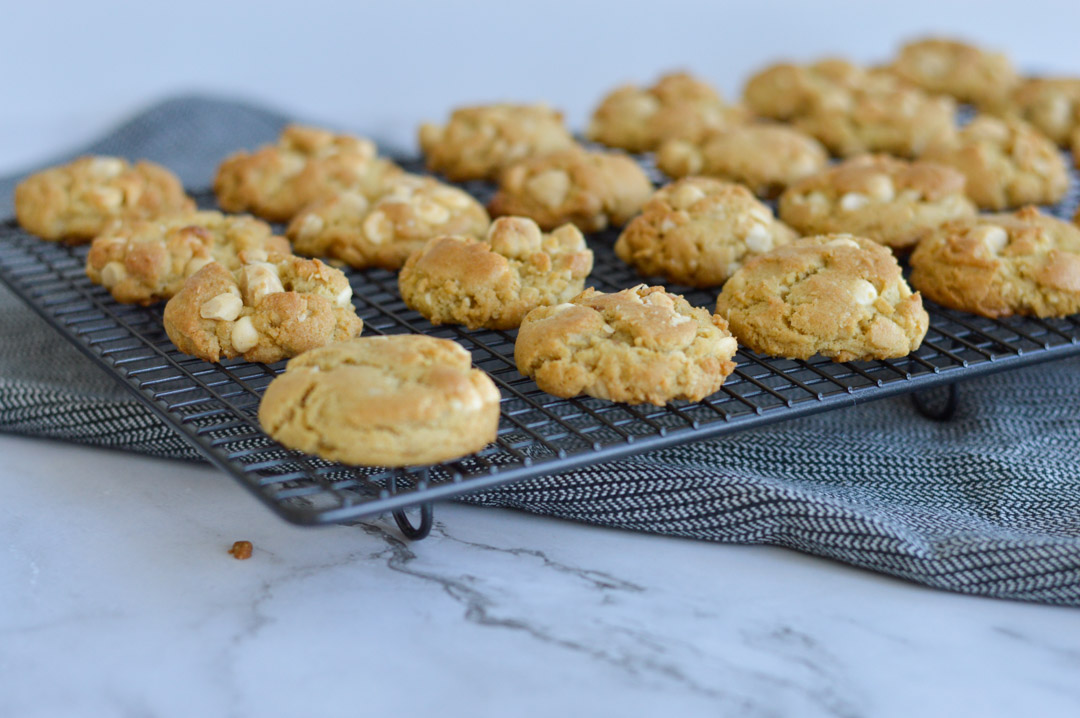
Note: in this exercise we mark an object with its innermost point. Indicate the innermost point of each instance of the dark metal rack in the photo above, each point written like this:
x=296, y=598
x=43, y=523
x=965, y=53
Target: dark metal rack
x=214, y=406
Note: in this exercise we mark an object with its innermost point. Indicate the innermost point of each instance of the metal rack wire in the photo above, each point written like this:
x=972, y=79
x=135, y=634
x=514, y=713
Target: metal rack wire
x=214, y=406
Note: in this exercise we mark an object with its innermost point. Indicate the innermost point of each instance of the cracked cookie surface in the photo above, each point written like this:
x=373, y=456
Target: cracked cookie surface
x=968, y=73
x=697, y=231
x=384, y=232
x=480, y=142
x=147, y=261
x=383, y=401
x=889, y=200
x=997, y=265
x=495, y=283
x=591, y=190
x=76, y=201
x=1007, y=163
x=765, y=157
x=276, y=181
x=678, y=106
x=837, y=295
x=263, y=311
x=640, y=345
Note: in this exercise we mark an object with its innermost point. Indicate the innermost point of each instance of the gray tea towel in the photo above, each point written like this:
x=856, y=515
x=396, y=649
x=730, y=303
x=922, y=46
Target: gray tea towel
x=987, y=504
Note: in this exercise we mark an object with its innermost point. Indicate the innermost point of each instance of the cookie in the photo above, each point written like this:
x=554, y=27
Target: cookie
x=480, y=142
x=384, y=232
x=1052, y=104
x=1007, y=163
x=881, y=115
x=678, y=106
x=76, y=201
x=785, y=91
x=263, y=311
x=852, y=110
x=147, y=261
x=640, y=345
x=698, y=231
x=589, y=189
x=997, y=265
x=889, y=200
x=765, y=157
x=494, y=284
x=950, y=67
x=276, y=181
x=840, y=296
x=402, y=400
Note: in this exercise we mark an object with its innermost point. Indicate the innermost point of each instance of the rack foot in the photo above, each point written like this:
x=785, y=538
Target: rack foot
x=415, y=533
x=938, y=404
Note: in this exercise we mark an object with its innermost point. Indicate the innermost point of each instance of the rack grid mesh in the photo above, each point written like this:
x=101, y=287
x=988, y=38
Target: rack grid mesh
x=214, y=405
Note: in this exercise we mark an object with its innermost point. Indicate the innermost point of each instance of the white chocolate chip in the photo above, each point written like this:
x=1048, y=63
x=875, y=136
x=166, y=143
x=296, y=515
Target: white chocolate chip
x=863, y=292
x=432, y=212
x=607, y=328
x=225, y=307
x=244, y=335
x=758, y=239
x=995, y=238
x=666, y=225
x=344, y=297
x=311, y=225
x=451, y=197
x=842, y=242
x=660, y=299
x=110, y=197
x=678, y=319
x=106, y=167
x=112, y=274
x=549, y=187
x=559, y=308
x=910, y=195
x=881, y=188
x=377, y=227
x=685, y=196
x=853, y=201
x=195, y=264
x=258, y=280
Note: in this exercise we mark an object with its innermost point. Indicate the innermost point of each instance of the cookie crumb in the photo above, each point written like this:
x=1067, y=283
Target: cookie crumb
x=241, y=550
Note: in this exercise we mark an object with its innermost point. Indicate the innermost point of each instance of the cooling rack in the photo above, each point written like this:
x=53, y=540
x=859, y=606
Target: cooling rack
x=214, y=405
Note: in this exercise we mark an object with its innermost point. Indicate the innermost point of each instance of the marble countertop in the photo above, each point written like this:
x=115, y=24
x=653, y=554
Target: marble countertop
x=121, y=600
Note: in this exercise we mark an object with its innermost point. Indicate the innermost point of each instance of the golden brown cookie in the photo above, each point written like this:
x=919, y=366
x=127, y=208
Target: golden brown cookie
x=589, y=189
x=263, y=311
x=889, y=200
x=78, y=200
x=678, y=106
x=765, y=157
x=307, y=163
x=698, y=231
x=480, y=142
x=1007, y=163
x=384, y=232
x=785, y=91
x=950, y=67
x=1052, y=104
x=494, y=284
x=997, y=265
x=401, y=400
x=640, y=345
x=852, y=110
x=147, y=261
x=837, y=295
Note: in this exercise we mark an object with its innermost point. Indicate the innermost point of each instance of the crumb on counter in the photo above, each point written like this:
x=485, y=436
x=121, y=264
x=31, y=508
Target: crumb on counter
x=241, y=550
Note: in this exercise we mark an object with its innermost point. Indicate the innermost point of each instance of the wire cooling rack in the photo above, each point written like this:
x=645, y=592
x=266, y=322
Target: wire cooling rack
x=214, y=405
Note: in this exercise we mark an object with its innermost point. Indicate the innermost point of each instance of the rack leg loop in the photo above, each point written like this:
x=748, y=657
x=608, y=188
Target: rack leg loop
x=938, y=404
x=415, y=533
